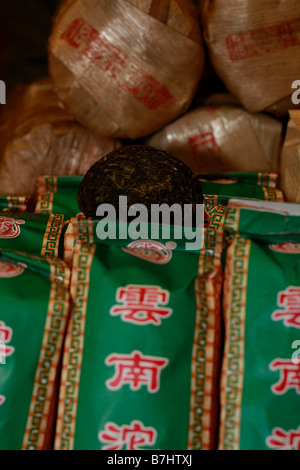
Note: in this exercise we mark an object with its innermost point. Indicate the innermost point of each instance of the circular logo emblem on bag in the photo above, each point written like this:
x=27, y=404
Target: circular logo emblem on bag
x=151, y=251
x=8, y=269
x=286, y=247
x=10, y=228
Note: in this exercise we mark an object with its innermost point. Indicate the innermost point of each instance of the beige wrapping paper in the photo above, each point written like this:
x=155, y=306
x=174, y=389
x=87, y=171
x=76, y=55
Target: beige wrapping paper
x=38, y=136
x=290, y=160
x=222, y=138
x=254, y=46
x=125, y=68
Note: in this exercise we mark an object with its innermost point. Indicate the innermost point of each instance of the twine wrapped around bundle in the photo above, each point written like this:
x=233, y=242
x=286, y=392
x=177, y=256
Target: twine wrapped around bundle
x=125, y=68
x=222, y=138
x=254, y=46
x=290, y=159
x=38, y=137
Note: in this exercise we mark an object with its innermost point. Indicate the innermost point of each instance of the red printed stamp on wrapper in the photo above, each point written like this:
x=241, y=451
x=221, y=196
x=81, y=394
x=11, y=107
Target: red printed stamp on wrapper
x=121, y=69
x=256, y=42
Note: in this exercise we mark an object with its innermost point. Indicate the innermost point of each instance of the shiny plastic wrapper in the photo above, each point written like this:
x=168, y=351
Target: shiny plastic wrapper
x=259, y=387
x=33, y=320
x=182, y=329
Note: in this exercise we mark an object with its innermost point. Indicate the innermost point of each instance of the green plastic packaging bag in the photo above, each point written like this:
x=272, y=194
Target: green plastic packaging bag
x=58, y=195
x=260, y=379
x=219, y=188
x=15, y=203
x=31, y=233
x=33, y=319
x=142, y=351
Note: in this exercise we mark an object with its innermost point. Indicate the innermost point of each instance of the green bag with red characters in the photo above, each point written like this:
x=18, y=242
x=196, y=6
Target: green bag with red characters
x=260, y=380
x=31, y=233
x=33, y=319
x=58, y=195
x=142, y=351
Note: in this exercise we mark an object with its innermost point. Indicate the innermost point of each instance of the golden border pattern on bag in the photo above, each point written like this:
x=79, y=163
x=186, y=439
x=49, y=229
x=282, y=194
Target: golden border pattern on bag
x=217, y=216
x=38, y=432
x=44, y=203
x=18, y=202
x=234, y=304
x=46, y=188
x=232, y=219
x=208, y=289
x=210, y=201
x=46, y=184
x=52, y=235
x=268, y=180
x=79, y=229
x=273, y=194
x=71, y=368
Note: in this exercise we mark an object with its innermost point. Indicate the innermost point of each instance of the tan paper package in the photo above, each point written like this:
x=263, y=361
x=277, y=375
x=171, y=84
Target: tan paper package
x=38, y=136
x=223, y=138
x=290, y=159
x=128, y=67
x=255, y=49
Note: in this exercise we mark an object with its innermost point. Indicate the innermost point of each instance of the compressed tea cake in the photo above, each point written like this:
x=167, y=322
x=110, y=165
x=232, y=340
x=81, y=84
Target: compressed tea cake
x=142, y=173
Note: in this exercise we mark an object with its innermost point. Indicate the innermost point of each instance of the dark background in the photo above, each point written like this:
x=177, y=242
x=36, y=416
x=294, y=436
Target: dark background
x=25, y=26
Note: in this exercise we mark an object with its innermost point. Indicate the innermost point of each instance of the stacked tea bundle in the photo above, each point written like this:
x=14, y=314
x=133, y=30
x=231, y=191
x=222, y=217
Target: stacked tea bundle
x=290, y=159
x=38, y=136
x=254, y=47
x=126, y=68
x=216, y=138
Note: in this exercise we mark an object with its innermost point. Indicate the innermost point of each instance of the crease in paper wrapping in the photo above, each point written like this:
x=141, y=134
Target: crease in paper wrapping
x=38, y=137
x=223, y=138
x=254, y=46
x=290, y=159
x=125, y=68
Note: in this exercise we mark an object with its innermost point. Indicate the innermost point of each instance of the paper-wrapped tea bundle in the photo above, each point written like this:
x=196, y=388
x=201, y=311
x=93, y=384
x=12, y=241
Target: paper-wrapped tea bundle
x=222, y=138
x=39, y=137
x=126, y=68
x=290, y=159
x=255, y=49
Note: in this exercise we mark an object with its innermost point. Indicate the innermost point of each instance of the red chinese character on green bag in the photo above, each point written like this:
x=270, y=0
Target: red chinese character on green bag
x=5, y=337
x=136, y=370
x=284, y=440
x=127, y=437
x=289, y=299
x=142, y=305
x=9, y=227
x=289, y=376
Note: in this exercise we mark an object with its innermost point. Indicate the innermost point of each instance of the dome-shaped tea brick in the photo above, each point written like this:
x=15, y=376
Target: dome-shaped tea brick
x=144, y=175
